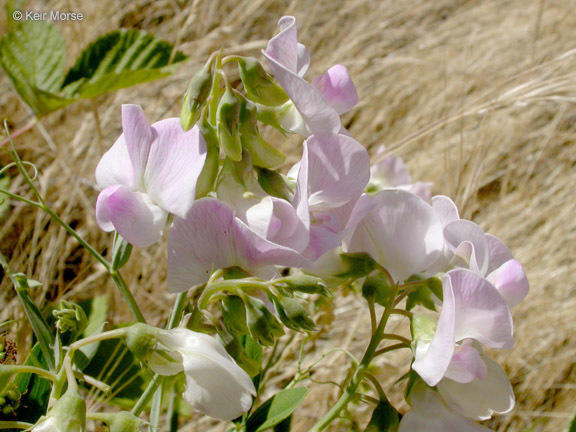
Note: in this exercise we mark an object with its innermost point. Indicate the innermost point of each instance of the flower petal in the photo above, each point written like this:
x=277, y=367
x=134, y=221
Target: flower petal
x=466, y=364
x=138, y=220
x=338, y=170
x=401, y=232
x=115, y=167
x=138, y=136
x=174, y=164
x=511, y=282
x=102, y=210
x=445, y=208
x=337, y=88
x=498, y=252
x=319, y=116
x=481, y=312
x=430, y=414
x=480, y=399
x=461, y=231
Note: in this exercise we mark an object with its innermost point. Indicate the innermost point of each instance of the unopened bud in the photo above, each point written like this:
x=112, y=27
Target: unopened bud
x=67, y=415
x=260, y=87
x=263, y=326
x=205, y=183
x=228, y=117
x=306, y=283
x=122, y=421
x=70, y=317
x=274, y=184
x=293, y=314
x=196, y=96
x=262, y=154
x=234, y=315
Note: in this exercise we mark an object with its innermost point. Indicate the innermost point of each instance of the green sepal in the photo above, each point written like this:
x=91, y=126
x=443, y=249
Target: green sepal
x=259, y=86
x=293, y=314
x=423, y=294
x=196, y=96
x=262, y=324
x=274, y=184
x=227, y=118
x=234, y=315
x=359, y=264
x=384, y=418
x=207, y=178
x=306, y=283
x=377, y=289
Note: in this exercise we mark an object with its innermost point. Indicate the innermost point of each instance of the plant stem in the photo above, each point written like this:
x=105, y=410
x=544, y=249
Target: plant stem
x=14, y=369
x=127, y=294
x=15, y=425
x=358, y=376
x=146, y=396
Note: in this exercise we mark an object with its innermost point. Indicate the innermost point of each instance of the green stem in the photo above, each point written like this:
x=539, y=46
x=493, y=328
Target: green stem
x=146, y=396
x=127, y=294
x=14, y=369
x=179, y=306
x=15, y=425
x=358, y=376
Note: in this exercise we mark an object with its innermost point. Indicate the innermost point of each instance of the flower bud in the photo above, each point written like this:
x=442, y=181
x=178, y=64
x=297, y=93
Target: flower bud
x=293, y=314
x=228, y=117
x=359, y=264
x=234, y=315
x=67, y=415
x=274, y=184
x=70, y=317
x=263, y=326
x=196, y=96
x=377, y=289
x=306, y=283
x=262, y=153
x=259, y=86
x=122, y=421
x=205, y=183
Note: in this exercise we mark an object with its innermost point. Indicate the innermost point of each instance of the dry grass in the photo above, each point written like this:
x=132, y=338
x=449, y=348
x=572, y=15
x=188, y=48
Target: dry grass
x=477, y=96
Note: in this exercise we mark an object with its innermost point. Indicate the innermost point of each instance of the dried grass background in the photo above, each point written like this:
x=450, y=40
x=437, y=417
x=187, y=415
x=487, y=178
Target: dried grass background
x=477, y=97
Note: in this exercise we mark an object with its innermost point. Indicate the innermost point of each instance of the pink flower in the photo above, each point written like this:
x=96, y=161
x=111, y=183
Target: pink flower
x=210, y=237
x=317, y=105
x=149, y=172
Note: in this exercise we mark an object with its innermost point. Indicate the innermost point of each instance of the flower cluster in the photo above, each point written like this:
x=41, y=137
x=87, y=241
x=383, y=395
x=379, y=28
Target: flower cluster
x=250, y=218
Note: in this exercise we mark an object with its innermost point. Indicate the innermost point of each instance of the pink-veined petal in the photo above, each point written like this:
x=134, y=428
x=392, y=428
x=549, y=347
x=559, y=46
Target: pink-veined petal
x=102, y=211
x=210, y=238
x=430, y=414
x=337, y=88
x=511, y=282
x=338, y=170
x=445, y=208
x=481, y=312
x=498, y=253
x=480, y=399
x=138, y=220
x=115, y=167
x=319, y=116
x=432, y=361
x=284, y=46
x=401, y=232
x=460, y=231
x=174, y=164
x=138, y=136
x=466, y=364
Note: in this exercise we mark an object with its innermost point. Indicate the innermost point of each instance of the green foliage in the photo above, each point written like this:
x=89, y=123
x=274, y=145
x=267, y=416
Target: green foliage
x=96, y=309
x=377, y=289
x=359, y=264
x=4, y=200
x=423, y=294
x=276, y=409
x=33, y=56
x=384, y=418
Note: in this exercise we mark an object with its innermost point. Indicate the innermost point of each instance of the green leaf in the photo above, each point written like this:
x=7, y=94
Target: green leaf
x=37, y=321
x=33, y=56
x=276, y=409
x=359, y=264
x=119, y=59
x=572, y=426
x=4, y=200
x=423, y=295
x=384, y=418
x=96, y=310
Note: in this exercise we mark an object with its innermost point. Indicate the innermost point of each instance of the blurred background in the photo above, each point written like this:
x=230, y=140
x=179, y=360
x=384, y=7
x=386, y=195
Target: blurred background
x=477, y=96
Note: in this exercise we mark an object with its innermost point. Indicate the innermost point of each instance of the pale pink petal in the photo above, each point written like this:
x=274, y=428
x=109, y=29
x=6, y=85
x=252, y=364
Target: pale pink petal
x=139, y=136
x=303, y=60
x=460, y=231
x=430, y=414
x=432, y=359
x=319, y=116
x=174, y=164
x=200, y=243
x=466, y=364
x=138, y=220
x=322, y=239
x=511, y=282
x=498, y=252
x=284, y=46
x=210, y=238
x=480, y=399
x=481, y=312
x=102, y=211
x=115, y=167
x=337, y=88
x=390, y=172
x=401, y=232
x=445, y=208
x=338, y=170
x=421, y=189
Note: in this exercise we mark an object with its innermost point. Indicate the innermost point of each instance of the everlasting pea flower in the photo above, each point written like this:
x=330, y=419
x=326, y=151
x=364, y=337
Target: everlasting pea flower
x=468, y=246
x=391, y=173
x=401, y=232
x=472, y=309
x=318, y=105
x=210, y=237
x=483, y=395
x=149, y=172
x=215, y=384
x=430, y=414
